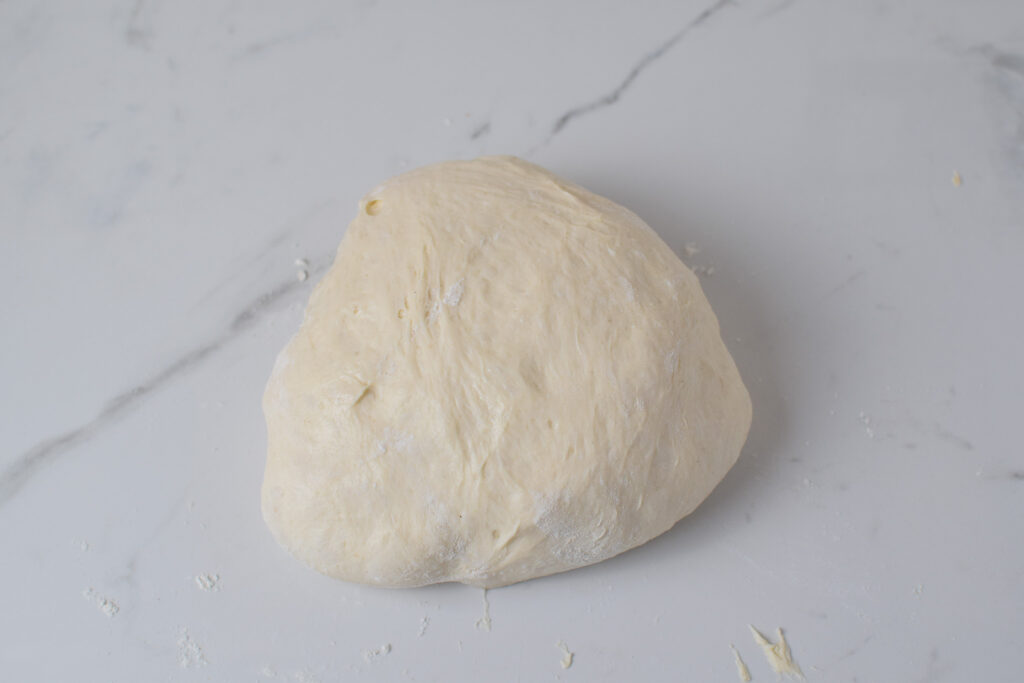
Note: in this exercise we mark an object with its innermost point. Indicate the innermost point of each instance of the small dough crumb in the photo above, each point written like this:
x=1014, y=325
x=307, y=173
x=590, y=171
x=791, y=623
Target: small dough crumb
x=778, y=654
x=566, y=654
x=741, y=667
x=302, y=275
x=957, y=180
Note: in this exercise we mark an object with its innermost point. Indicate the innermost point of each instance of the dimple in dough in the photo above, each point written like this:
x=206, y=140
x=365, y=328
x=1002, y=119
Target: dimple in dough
x=502, y=376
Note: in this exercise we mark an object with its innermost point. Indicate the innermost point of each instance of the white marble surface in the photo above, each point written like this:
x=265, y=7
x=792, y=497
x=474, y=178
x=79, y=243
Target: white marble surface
x=163, y=165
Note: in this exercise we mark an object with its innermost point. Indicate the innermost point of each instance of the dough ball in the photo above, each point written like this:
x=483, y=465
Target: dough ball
x=501, y=377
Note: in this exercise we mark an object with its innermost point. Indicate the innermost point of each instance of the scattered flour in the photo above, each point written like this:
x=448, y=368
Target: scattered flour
x=424, y=623
x=484, y=622
x=866, y=421
x=778, y=654
x=741, y=667
x=303, y=272
x=567, y=655
x=373, y=655
x=208, y=582
x=103, y=604
x=190, y=654
x=706, y=271
x=690, y=248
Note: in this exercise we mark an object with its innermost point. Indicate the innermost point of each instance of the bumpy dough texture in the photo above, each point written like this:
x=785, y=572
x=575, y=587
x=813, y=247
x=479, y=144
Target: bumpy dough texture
x=501, y=377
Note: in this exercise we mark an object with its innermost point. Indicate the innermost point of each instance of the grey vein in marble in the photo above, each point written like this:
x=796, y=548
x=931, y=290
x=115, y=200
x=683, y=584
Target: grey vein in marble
x=134, y=32
x=17, y=474
x=1009, y=80
x=481, y=130
x=776, y=10
x=955, y=439
x=616, y=93
x=261, y=47
x=847, y=281
x=1007, y=61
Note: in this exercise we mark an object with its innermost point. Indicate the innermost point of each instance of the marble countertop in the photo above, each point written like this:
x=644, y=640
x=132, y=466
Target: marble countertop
x=851, y=172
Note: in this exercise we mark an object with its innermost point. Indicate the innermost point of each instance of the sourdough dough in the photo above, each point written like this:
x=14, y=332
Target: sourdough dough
x=502, y=376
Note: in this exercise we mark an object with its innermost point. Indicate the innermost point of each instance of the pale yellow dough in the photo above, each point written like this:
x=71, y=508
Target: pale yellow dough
x=502, y=376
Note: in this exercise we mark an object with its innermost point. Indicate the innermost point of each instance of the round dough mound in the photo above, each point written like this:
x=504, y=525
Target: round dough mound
x=501, y=377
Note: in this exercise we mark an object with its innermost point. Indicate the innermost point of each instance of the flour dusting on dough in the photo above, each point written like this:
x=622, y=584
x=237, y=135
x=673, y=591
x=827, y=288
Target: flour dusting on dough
x=392, y=440
x=628, y=286
x=778, y=654
x=455, y=292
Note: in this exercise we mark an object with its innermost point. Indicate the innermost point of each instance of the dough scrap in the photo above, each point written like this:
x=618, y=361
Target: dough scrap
x=501, y=377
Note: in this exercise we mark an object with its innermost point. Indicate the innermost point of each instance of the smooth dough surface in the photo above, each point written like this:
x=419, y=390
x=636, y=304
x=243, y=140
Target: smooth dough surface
x=501, y=377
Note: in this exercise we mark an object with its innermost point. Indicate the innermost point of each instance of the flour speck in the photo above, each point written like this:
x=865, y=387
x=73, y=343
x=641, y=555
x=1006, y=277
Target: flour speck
x=103, y=604
x=190, y=654
x=865, y=419
x=373, y=655
x=484, y=622
x=208, y=582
